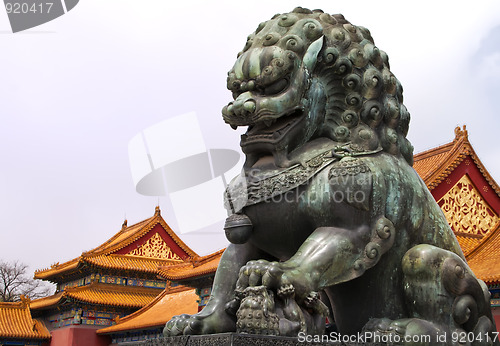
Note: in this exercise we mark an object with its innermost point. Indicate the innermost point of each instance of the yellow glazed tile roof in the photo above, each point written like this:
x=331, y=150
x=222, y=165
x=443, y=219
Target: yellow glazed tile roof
x=198, y=267
x=102, y=294
x=130, y=297
x=434, y=165
x=134, y=263
x=57, y=268
x=46, y=302
x=126, y=236
x=484, y=260
x=123, y=235
x=171, y=302
x=16, y=322
x=467, y=243
x=426, y=163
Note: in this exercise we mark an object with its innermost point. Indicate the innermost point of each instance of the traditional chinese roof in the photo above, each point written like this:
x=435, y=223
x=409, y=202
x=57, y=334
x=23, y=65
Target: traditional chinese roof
x=199, y=266
x=171, y=302
x=468, y=243
x=142, y=264
x=130, y=297
x=436, y=164
x=16, y=322
x=139, y=248
x=469, y=198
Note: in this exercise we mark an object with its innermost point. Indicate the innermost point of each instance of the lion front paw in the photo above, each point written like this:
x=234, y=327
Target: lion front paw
x=177, y=325
x=280, y=277
x=208, y=321
x=260, y=272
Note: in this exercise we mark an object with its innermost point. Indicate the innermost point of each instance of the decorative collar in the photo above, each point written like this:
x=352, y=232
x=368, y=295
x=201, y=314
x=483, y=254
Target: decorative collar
x=258, y=186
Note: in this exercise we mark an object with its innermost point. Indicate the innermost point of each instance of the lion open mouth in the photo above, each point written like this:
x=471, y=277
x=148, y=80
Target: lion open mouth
x=271, y=131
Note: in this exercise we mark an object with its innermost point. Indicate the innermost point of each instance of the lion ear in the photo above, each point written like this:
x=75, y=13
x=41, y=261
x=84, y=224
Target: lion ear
x=311, y=56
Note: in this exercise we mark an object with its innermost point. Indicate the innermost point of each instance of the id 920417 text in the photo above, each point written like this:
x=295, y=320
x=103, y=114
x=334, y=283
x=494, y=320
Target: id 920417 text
x=24, y=7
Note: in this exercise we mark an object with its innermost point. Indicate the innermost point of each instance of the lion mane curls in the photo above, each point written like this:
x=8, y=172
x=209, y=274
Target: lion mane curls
x=364, y=100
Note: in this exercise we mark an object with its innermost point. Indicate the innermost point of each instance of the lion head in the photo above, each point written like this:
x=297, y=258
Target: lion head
x=307, y=75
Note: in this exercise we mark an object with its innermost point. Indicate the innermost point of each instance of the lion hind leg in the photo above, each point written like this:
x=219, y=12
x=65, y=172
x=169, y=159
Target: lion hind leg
x=442, y=293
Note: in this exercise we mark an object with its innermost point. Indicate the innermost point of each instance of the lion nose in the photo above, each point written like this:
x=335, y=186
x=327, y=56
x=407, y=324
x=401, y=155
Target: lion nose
x=241, y=107
x=249, y=106
x=228, y=110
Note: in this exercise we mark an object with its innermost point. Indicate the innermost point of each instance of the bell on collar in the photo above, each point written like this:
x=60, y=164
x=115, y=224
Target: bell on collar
x=238, y=228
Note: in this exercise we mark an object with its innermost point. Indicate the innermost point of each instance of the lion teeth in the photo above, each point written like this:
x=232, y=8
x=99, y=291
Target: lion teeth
x=268, y=122
x=234, y=127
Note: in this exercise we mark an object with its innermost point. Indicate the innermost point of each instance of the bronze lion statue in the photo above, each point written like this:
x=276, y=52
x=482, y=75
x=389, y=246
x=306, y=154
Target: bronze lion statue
x=328, y=220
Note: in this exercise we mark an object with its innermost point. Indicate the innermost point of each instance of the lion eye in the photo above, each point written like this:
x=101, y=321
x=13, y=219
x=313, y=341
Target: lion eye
x=277, y=87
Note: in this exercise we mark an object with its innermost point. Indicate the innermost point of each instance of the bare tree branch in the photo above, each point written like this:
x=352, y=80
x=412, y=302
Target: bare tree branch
x=14, y=282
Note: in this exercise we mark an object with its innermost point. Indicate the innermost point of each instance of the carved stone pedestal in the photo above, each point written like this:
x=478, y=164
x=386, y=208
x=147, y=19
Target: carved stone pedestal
x=234, y=339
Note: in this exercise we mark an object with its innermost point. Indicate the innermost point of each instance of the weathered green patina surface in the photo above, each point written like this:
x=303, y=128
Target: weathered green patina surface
x=328, y=218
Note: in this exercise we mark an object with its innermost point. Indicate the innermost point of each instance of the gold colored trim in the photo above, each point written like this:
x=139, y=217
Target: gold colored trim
x=466, y=210
x=155, y=247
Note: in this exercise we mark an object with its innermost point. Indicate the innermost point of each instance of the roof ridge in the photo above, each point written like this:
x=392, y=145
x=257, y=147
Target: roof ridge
x=447, y=157
x=12, y=305
x=460, y=136
x=119, y=233
x=141, y=228
x=46, y=298
x=454, y=153
x=207, y=258
x=153, y=221
x=137, y=223
x=22, y=303
x=177, y=239
x=484, y=172
x=174, y=272
x=427, y=153
x=56, y=266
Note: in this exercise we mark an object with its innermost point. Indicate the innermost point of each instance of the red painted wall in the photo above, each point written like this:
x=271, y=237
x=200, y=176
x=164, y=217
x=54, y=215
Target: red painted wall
x=467, y=166
x=78, y=336
x=163, y=234
x=496, y=315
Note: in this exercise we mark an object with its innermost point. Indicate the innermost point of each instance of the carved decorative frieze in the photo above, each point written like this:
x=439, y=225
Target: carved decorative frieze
x=155, y=247
x=466, y=210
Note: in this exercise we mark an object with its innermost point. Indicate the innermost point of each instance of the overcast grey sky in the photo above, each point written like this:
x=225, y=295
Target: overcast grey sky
x=74, y=92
